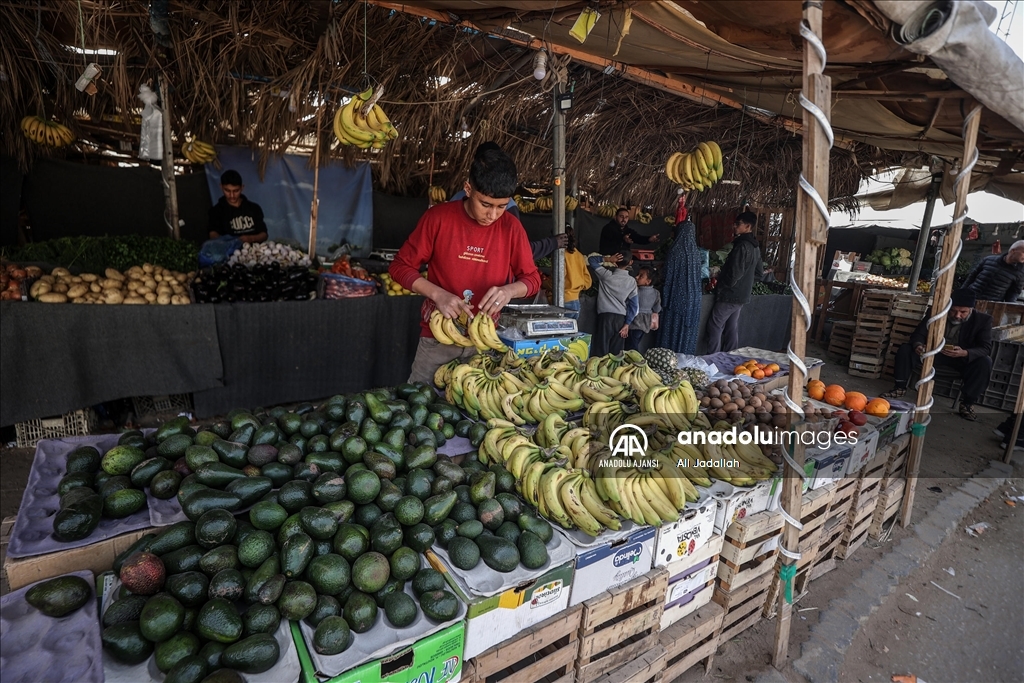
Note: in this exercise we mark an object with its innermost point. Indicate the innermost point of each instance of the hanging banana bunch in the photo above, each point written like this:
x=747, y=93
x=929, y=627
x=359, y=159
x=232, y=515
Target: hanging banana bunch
x=45, y=132
x=571, y=203
x=362, y=123
x=198, y=152
x=698, y=169
x=437, y=195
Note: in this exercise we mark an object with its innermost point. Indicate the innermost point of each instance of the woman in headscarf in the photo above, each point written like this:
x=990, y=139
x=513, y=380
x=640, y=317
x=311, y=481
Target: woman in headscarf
x=681, y=297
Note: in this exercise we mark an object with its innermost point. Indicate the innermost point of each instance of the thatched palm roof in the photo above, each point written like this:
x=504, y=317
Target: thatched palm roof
x=258, y=74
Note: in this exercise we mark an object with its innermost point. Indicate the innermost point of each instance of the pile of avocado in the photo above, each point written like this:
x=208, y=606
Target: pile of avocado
x=342, y=499
x=490, y=523
x=112, y=485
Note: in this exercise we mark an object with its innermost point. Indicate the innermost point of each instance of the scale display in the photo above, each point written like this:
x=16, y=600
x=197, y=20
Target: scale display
x=538, y=320
x=550, y=328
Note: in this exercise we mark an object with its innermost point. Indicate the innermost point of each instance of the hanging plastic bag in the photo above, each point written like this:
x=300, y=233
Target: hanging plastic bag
x=151, y=140
x=218, y=250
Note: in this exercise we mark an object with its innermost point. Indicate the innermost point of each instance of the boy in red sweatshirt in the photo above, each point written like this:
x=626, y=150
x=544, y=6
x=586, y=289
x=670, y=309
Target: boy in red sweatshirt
x=477, y=255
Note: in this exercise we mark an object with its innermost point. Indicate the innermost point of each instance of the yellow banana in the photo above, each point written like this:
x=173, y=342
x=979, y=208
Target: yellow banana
x=549, y=485
x=437, y=328
x=454, y=333
x=575, y=508
x=657, y=498
x=650, y=514
x=716, y=152
x=595, y=506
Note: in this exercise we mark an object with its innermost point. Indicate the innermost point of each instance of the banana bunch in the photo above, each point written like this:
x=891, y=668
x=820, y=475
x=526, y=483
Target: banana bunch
x=437, y=194
x=571, y=203
x=372, y=129
x=678, y=403
x=482, y=394
x=671, y=220
x=644, y=217
x=443, y=375
x=484, y=335
x=587, y=381
x=637, y=373
x=647, y=496
x=545, y=203
x=45, y=132
x=607, y=210
x=198, y=152
x=478, y=332
x=696, y=170
x=525, y=204
x=753, y=465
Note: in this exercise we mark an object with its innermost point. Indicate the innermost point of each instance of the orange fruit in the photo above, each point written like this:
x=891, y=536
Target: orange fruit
x=768, y=372
x=774, y=367
x=757, y=374
x=741, y=370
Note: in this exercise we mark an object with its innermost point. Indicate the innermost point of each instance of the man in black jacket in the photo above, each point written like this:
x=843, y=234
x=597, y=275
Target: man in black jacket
x=735, y=281
x=616, y=236
x=968, y=343
x=234, y=214
x=999, y=277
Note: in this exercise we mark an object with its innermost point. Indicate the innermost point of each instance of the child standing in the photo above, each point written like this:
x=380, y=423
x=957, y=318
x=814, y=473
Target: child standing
x=616, y=302
x=577, y=277
x=649, y=302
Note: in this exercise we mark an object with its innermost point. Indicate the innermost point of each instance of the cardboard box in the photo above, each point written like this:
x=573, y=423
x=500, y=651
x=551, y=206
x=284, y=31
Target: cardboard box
x=864, y=450
x=437, y=658
x=612, y=564
x=830, y=465
x=680, y=540
x=535, y=347
x=742, y=503
x=492, y=620
x=691, y=581
x=97, y=558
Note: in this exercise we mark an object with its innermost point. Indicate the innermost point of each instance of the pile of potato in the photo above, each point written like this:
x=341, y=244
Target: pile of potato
x=736, y=400
x=146, y=284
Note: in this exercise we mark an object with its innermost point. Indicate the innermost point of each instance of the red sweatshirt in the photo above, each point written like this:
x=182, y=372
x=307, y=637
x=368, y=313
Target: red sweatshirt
x=464, y=257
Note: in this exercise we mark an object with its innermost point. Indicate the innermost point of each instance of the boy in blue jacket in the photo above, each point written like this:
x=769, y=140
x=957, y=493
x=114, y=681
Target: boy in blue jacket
x=617, y=302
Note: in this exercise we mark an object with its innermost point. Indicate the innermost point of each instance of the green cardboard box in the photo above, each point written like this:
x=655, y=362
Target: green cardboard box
x=435, y=659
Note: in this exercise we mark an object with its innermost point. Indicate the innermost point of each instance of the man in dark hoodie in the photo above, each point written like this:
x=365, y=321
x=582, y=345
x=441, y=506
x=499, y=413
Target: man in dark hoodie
x=735, y=282
x=234, y=214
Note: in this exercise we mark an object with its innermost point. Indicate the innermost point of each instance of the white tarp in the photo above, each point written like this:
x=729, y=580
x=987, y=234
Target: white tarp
x=911, y=186
x=972, y=56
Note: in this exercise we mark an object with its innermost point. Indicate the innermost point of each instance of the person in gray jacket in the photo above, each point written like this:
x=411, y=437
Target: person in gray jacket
x=617, y=302
x=735, y=282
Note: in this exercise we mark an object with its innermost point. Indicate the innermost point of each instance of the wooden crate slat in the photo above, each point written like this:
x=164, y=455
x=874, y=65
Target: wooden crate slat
x=691, y=640
x=646, y=668
x=614, y=602
x=531, y=655
x=754, y=529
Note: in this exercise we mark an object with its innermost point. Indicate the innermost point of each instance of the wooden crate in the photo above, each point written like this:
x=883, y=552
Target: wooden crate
x=813, y=511
x=877, y=302
x=620, y=624
x=902, y=328
x=545, y=652
x=862, y=508
x=743, y=606
x=750, y=548
x=865, y=364
x=890, y=501
x=648, y=667
x=833, y=527
x=692, y=640
x=909, y=305
x=870, y=325
x=842, y=339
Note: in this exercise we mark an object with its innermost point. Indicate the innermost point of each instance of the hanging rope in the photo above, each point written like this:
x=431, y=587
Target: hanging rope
x=964, y=176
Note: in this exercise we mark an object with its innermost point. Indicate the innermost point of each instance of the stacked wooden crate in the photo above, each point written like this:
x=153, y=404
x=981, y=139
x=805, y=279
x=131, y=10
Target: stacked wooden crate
x=813, y=513
x=862, y=506
x=745, y=570
x=619, y=633
x=841, y=341
x=871, y=335
x=691, y=640
x=892, y=486
x=545, y=653
x=833, y=528
x=907, y=311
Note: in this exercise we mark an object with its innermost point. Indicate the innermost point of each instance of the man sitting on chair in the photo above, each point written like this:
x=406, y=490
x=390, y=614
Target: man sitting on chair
x=968, y=342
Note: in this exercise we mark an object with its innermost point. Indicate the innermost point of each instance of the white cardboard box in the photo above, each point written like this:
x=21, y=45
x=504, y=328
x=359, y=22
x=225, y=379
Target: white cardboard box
x=829, y=465
x=612, y=564
x=691, y=581
x=680, y=540
x=864, y=450
x=497, y=618
x=743, y=503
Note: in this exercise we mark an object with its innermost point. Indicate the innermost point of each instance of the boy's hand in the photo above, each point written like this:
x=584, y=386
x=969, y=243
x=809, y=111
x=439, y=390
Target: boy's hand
x=654, y=321
x=624, y=332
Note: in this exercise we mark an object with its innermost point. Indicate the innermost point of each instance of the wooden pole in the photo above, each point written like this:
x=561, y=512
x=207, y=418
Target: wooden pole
x=811, y=231
x=1018, y=414
x=558, y=210
x=937, y=327
x=314, y=208
x=167, y=165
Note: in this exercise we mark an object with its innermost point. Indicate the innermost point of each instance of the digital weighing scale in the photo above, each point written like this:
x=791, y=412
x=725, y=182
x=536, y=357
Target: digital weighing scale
x=538, y=320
